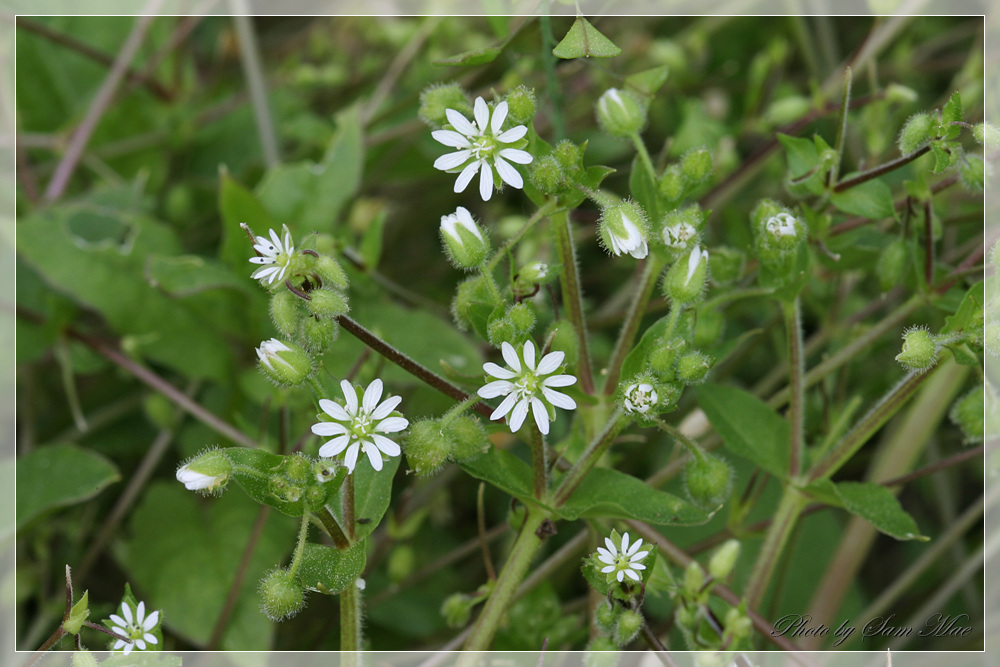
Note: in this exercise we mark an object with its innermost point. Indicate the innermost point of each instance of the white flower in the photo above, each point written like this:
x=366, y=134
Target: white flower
x=360, y=428
x=782, y=225
x=480, y=148
x=138, y=628
x=274, y=254
x=623, y=560
x=460, y=218
x=640, y=397
x=524, y=386
x=677, y=236
x=268, y=353
x=632, y=242
x=197, y=481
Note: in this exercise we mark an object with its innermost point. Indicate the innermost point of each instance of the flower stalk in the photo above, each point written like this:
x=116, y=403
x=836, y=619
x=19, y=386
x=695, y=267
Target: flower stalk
x=647, y=282
x=572, y=296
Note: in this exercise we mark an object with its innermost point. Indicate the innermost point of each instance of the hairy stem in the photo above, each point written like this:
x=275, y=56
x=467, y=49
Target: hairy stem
x=841, y=128
x=350, y=626
x=650, y=274
x=785, y=518
x=796, y=370
x=589, y=458
x=880, y=170
x=573, y=296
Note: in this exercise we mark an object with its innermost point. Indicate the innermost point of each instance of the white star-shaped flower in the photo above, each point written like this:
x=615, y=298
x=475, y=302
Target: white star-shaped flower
x=640, y=397
x=480, y=148
x=623, y=560
x=275, y=254
x=525, y=386
x=782, y=225
x=137, y=627
x=678, y=236
x=360, y=428
x=630, y=241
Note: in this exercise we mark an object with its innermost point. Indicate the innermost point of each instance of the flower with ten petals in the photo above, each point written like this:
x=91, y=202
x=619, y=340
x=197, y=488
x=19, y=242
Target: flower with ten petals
x=525, y=386
x=360, y=427
x=624, y=561
x=480, y=148
x=275, y=254
x=138, y=627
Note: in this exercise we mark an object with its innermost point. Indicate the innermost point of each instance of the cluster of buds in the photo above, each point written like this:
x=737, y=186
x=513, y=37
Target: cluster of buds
x=778, y=237
x=434, y=442
x=696, y=621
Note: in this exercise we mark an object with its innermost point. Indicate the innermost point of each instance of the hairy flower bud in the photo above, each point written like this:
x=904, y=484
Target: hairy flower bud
x=547, y=175
x=521, y=104
x=707, y=480
x=696, y=165
x=330, y=273
x=915, y=133
x=568, y=155
x=972, y=171
x=987, y=134
x=628, y=626
x=427, y=447
x=464, y=242
x=285, y=363
x=436, y=100
x=919, y=350
x=468, y=438
x=208, y=472
x=685, y=281
x=619, y=114
x=286, y=311
x=672, y=184
x=327, y=303
x=694, y=579
x=281, y=594
x=724, y=559
x=606, y=616
x=968, y=413
x=693, y=367
x=624, y=229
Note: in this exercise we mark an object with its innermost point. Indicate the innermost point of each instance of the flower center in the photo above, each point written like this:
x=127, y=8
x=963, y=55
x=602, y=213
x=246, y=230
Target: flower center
x=362, y=427
x=483, y=146
x=526, y=385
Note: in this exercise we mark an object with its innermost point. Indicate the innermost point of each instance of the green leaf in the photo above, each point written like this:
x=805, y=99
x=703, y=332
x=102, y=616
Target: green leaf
x=635, y=361
x=584, y=40
x=972, y=305
x=371, y=242
x=191, y=274
x=872, y=199
x=591, y=179
x=951, y=113
x=472, y=58
x=878, y=506
x=747, y=426
x=372, y=492
x=330, y=571
x=504, y=471
x=610, y=494
x=238, y=205
x=647, y=82
x=800, y=153
x=942, y=158
x=253, y=470
x=59, y=475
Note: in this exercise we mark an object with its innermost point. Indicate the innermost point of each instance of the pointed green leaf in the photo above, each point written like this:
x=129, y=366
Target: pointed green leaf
x=872, y=199
x=330, y=571
x=472, y=58
x=951, y=113
x=372, y=492
x=877, y=505
x=503, y=470
x=610, y=494
x=238, y=205
x=59, y=475
x=801, y=155
x=647, y=82
x=584, y=40
x=747, y=426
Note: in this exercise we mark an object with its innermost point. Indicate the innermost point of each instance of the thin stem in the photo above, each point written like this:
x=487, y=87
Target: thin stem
x=408, y=364
x=573, y=296
x=796, y=370
x=332, y=528
x=880, y=170
x=539, y=467
x=481, y=525
x=647, y=161
x=780, y=530
x=541, y=213
x=589, y=458
x=241, y=572
x=647, y=282
x=254, y=73
x=347, y=506
x=841, y=128
x=350, y=625
x=43, y=649
x=300, y=545
x=943, y=464
x=687, y=442
x=734, y=295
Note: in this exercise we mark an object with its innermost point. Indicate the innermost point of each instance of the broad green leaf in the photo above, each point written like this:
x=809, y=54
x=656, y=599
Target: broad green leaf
x=951, y=113
x=872, y=199
x=471, y=58
x=372, y=492
x=610, y=494
x=800, y=153
x=183, y=555
x=253, y=469
x=59, y=475
x=877, y=505
x=965, y=316
x=747, y=426
x=584, y=40
x=371, y=242
x=645, y=189
x=647, y=82
x=504, y=471
x=238, y=205
x=190, y=274
x=328, y=570
x=945, y=154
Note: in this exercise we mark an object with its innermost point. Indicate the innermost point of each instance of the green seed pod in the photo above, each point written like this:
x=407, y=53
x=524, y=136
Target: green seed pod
x=915, y=133
x=468, y=438
x=919, y=350
x=628, y=626
x=696, y=165
x=694, y=579
x=286, y=364
x=708, y=481
x=286, y=310
x=619, y=114
x=521, y=105
x=319, y=333
x=434, y=102
x=892, y=264
x=724, y=559
x=606, y=616
x=464, y=242
x=522, y=316
x=501, y=330
x=672, y=184
x=427, y=448
x=693, y=367
x=472, y=295
x=685, y=280
x=547, y=174
x=972, y=171
x=330, y=272
x=327, y=303
x=987, y=134
x=968, y=413
x=282, y=489
x=568, y=155
x=281, y=595
x=297, y=469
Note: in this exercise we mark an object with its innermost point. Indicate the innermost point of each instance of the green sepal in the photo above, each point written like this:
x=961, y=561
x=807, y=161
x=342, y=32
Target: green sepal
x=584, y=40
x=77, y=615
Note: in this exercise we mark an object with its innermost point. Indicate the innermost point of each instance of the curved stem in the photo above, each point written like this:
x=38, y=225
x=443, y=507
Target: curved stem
x=785, y=518
x=687, y=442
x=650, y=274
x=644, y=156
x=880, y=170
x=542, y=212
x=589, y=458
x=350, y=626
x=300, y=545
x=573, y=296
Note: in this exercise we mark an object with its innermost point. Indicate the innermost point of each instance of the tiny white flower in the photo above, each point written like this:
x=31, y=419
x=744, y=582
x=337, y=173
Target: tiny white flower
x=623, y=560
x=138, y=627
x=678, y=236
x=360, y=427
x=461, y=217
x=782, y=225
x=525, y=386
x=197, y=481
x=275, y=254
x=632, y=242
x=640, y=397
x=268, y=353
x=480, y=148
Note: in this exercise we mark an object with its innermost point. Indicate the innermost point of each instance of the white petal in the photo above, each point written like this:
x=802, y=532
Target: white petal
x=621, y=575
x=624, y=547
x=498, y=371
x=350, y=397
x=637, y=566
x=559, y=381
x=550, y=362
x=277, y=275
x=558, y=399
x=634, y=548
x=541, y=415
x=607, y=560
x=334, y=447
x=118, y=644
x=334, y=410
x=494, y=389
x=639, y=556
x=451, y=160
x=388, y=447
x=276, y=240
x=140, y=613
x=604, y=553
x=610, y=545
x=119, y=631
x=515, y=154
x=504, y=407
x=517, y=415
x=499, y=116
x=463, y=179
x=374, y=455
x=260, y=274
x=632, y=574
x=127, y=612
x=325, y=429
x=486, y=182
x=529, y=354
x=372, y=395
x=450, y=138
x=510, y=356
x=151, y=622
x=141, y=645
x=482, y=113
x=262, y=260
x=150, y=638
x=388, y=405
x=609, y=568
x=128, y=648
x=460, y=123
x=507, y=173
x=392, y=425
x=351, y=459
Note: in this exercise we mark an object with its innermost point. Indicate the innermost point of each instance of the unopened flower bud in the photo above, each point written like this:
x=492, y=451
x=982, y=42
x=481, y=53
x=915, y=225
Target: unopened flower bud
x=283, y=490
x=315, y=497
x=547, y=175
x=522, y=316
x=297, y=468
x=281, y=594
x=685, y=280
x=606, y=616
x=468, y=438
x=436, y=100
x=319, y=332
x=628, y=626
x=694, y=579
x=707, y=480
x=915, y=133
x=738, y=623
x=464, y=242
x=663, y=356
x=285, y=363
x=286, y=309
x=472, y=298
x=427, y=447
x=787, y=109
x=530, y=275
x=521, y=105
x=696, y=165
x=569, y=155
x=624, y=229
x=968, y=413
x=919, y=350
x=972, y=171
x=501, y=330
x=208, y=472
x=724, y=559
x=987, y=134
x=330, y=273
x=693, y=367
x=327, y=303
x=673, y=185
x=620, y=114
x=726, y=265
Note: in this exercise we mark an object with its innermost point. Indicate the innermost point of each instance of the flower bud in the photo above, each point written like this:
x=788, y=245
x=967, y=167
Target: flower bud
x=285, y=363
x=624, y=229
x=501, y=330
x=919, y=350
x=892, y=264
x=297, y=468
x=315, y=498
x=283, y=490
x=673, y=185
x=679, y=236
x=601, y=652
x=737, y=623
x=330, y=273
x=281, y=594
x=693, y=367
x=547, y=175
x=915, y=133
x=568, y=155
x=663, y=356
x=208, y=472
x=522, y=316
x=987, y=134
x=606, y=616
x=468, y=438
x=464, y=242
x=531, y=275
x=696, y=165
x=900, y=94
x=327, y=303
x=724, y=559
x=427, y=447
x=619, y=114
x=285, y=311
x=972, y=171
x=968, y=413
x=628, y=626
x=456, y=609
x=707, y=481
x=784, y=229
x=472, y=298
x=685, y=280
x=694, y=579
x=521, y=105
x=318, y=333
x=77, y=615
x=434, y=101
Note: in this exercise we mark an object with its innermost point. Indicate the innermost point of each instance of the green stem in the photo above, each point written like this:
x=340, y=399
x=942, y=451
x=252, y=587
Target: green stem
x=841, y=128
x=449, y=416
x=347, y=506
x=687, y=442
x=332, y=528
x=880, y=170
x=491, y=284
x=785, y=518
x=542, y=212
x=573, y=296
x=317, y=387
x=551, y=83
x=650, y=274
x=300, y=545
x=539, y=462
x=350, y=626
x=734, y=295
x=513, y=572
x=796, y=371
x=644, y=156
x=589, y=458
